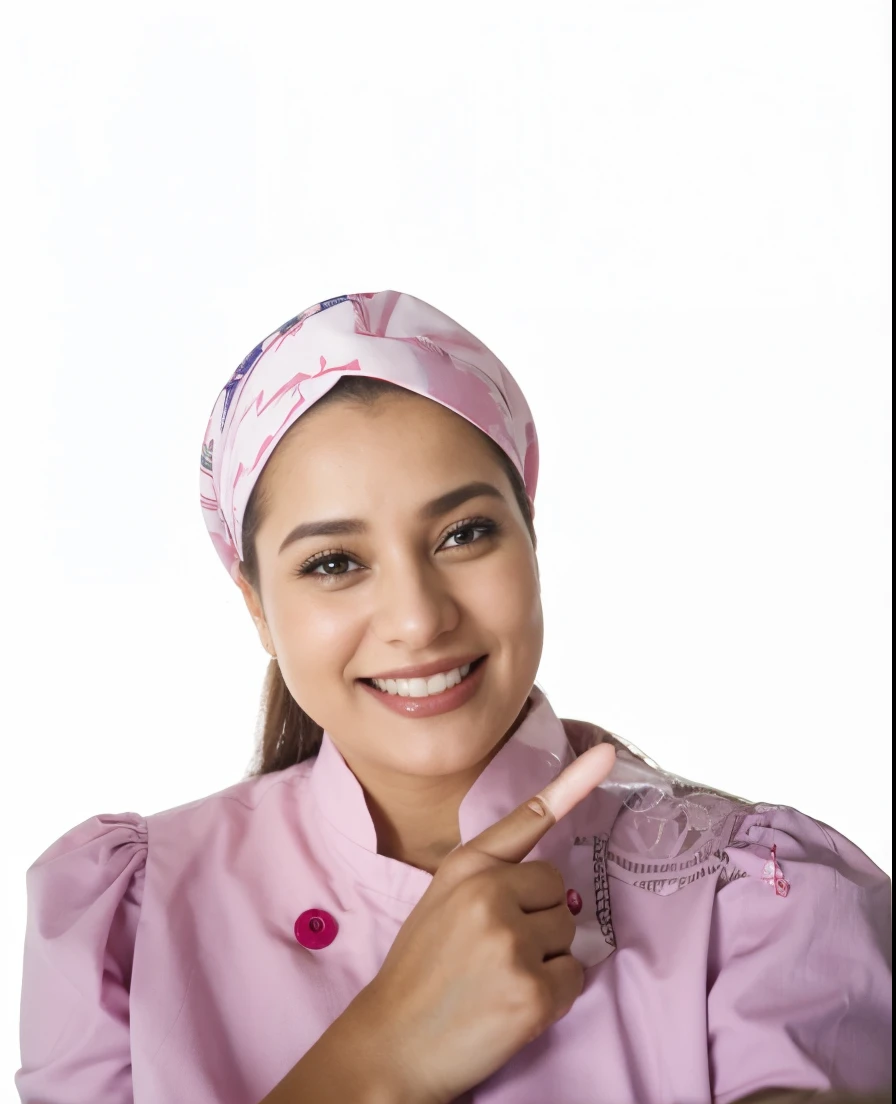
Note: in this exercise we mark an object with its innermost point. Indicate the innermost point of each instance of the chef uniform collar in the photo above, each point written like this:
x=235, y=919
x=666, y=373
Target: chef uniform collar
x=533, y=756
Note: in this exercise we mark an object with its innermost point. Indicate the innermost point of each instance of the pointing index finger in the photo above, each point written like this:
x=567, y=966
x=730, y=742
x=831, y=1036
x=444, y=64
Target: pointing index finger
x=513, y=837
x=578, y=780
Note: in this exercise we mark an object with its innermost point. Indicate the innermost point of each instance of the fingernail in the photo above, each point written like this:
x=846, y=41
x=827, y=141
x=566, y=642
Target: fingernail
x=536, y=807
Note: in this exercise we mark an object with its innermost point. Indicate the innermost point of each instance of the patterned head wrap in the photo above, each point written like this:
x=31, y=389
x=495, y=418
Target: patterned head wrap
x=384, y=335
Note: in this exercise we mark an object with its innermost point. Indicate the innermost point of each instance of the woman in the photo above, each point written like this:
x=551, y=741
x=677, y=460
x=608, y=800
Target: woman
x=431, y=888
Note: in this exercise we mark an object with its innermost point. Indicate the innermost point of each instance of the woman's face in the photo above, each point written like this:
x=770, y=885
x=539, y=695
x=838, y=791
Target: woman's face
x=392, y=541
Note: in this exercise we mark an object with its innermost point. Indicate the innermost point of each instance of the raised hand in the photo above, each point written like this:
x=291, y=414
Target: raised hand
x=482, y=965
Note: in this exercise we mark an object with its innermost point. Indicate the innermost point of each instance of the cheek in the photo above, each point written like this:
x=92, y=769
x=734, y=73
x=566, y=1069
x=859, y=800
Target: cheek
x=315, y=635
x=505, y=599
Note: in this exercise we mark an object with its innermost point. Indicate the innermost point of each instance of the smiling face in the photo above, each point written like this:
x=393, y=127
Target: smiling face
x=392, y=551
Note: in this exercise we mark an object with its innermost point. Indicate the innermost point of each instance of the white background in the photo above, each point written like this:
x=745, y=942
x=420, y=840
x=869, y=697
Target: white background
x=671, y=221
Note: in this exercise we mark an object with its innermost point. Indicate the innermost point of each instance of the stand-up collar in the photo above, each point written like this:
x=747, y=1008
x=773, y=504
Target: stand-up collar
x=532, y=757
x=535, y=754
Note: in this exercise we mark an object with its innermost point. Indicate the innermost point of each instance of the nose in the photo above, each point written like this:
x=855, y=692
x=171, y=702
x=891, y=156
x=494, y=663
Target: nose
x=413, y=606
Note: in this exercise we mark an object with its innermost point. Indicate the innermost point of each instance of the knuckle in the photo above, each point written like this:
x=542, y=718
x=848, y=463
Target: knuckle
x=569, y=988
x=551, y=878
x=459, y=865
x=568, y=922
x=559, y=882
x=576, y=976
x=532, y=995
x=478, y=897
x=476, y=908
x=485, y=886
x=506, y=946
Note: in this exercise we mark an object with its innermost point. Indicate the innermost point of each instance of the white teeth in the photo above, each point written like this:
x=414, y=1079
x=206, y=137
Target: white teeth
x=437, y=684
x=423, y=688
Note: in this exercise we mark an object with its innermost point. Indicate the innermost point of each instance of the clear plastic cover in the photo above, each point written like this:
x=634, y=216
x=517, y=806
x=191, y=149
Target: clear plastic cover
x=665, y=815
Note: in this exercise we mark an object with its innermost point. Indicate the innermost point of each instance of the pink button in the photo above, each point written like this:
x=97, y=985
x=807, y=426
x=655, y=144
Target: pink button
x=573, y=902
x=316, y=929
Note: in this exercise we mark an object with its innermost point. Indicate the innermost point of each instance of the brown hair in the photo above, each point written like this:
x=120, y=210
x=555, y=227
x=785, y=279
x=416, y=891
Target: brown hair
x=287, y=734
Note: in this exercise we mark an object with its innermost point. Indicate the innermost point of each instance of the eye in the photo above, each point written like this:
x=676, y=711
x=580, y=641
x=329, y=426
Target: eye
x=328, y=565
x=469, y=532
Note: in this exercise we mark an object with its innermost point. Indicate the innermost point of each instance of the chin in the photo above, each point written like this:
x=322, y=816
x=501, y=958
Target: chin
x=444, y=746
x=440, y=764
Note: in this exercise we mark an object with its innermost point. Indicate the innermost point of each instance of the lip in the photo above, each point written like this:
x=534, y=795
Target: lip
x=424, y=670
x=452, y=698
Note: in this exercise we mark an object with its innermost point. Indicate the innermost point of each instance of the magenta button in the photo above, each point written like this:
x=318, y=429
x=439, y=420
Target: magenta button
x=573, y=902
x=316, y=929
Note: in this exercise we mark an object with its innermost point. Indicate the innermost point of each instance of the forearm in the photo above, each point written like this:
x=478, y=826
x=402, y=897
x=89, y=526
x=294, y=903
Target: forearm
x=348, y=1062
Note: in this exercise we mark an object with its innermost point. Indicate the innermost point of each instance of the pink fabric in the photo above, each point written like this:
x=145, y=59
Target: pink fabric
x=162, y=966
x=385, y=335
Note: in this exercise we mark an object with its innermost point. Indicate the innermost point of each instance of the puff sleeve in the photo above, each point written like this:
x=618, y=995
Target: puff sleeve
x=84, y=898
x=799, y=986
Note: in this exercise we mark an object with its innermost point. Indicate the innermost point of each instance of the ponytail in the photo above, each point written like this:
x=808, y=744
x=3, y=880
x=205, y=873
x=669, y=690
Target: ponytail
x=286, y=734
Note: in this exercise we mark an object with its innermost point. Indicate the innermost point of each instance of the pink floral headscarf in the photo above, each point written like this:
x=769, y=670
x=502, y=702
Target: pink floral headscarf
x=385, y=335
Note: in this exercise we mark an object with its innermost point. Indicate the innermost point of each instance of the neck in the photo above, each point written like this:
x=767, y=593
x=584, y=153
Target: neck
x=416, y=819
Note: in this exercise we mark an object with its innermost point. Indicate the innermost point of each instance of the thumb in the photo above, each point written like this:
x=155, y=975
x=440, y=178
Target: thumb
x=513, y=837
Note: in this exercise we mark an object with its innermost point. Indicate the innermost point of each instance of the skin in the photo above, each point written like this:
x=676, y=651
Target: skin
x=405, y=590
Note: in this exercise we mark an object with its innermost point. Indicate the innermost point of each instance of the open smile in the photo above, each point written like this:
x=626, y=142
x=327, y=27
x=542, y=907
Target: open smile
x=427, y=696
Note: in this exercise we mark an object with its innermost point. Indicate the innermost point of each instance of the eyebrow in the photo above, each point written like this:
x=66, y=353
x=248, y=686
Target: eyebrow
x=340, y=527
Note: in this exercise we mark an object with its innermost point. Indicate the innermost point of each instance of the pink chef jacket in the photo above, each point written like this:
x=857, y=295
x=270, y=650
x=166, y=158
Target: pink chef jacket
x=162, y=964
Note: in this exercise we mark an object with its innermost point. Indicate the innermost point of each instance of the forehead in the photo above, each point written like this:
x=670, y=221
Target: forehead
x=344, y=450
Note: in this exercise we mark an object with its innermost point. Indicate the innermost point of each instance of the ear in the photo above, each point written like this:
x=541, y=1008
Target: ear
x=256, y=612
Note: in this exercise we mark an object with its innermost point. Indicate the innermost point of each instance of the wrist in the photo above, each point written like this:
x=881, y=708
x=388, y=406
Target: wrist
x=353, y=1060
x=385, y=1056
